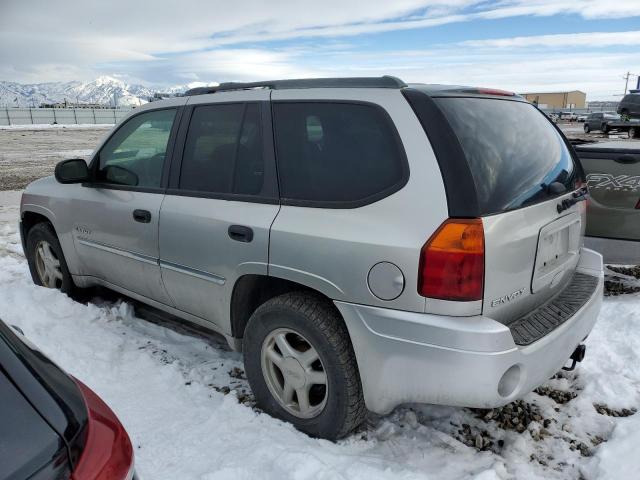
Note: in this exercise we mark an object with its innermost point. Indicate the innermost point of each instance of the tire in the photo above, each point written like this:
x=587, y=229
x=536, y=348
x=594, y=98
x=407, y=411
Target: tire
x=586, y=128
x=43, y=235
x=305, y=317
x=633, y=132
x=604, y=128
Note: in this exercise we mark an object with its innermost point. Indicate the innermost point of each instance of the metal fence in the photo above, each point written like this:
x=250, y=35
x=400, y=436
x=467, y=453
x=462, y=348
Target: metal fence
x=64, y=116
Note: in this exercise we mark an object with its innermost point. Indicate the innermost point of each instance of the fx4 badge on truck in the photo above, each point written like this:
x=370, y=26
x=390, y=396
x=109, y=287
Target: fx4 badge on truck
x=606, y=180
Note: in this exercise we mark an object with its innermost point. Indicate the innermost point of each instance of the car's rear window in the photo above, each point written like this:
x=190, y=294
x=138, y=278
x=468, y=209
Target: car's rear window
x=513, y=151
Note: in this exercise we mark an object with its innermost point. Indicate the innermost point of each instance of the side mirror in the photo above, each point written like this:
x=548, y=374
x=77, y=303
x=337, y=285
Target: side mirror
x=74, y=170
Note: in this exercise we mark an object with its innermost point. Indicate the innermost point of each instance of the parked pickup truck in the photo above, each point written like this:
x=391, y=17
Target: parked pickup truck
x=613, y=209
x=608, y=122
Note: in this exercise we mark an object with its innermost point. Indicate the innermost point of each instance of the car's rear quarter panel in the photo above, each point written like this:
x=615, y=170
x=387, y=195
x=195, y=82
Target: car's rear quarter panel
x=332, y=250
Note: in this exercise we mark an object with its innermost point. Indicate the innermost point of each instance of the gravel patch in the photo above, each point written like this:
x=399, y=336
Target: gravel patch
x=27, y=155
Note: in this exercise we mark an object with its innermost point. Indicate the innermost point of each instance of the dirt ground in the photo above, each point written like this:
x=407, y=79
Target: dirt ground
x=29, y=154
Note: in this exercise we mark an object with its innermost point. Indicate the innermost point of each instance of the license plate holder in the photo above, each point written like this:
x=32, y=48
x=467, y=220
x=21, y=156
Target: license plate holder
x=558, y=251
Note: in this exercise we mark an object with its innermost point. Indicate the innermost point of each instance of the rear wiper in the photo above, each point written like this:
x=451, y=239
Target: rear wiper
x=577, y=196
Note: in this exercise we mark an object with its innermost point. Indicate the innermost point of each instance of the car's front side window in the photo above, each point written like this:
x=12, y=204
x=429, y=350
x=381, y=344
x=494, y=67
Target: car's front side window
x=135, y=154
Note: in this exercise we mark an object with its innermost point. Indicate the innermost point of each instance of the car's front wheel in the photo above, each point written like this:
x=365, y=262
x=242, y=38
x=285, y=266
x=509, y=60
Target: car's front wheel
x=46, y=260
x=586, y=128
x=301, y=365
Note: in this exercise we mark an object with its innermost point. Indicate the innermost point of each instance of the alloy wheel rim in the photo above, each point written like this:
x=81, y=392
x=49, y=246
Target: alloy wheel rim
x=48, y=265
x=294, y=373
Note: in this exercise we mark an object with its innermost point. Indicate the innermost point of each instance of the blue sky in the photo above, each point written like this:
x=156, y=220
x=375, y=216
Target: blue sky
x=521, y=45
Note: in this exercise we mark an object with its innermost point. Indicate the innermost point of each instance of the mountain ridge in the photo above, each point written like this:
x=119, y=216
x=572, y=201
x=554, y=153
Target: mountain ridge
x=104, y=90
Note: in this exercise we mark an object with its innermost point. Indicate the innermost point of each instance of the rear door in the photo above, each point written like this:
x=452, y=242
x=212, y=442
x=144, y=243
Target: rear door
x=222, y=200
x=521, y=168
x=613, y=176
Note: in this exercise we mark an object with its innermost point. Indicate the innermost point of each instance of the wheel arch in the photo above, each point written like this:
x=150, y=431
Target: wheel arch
x=29, y=219
x=252, y=290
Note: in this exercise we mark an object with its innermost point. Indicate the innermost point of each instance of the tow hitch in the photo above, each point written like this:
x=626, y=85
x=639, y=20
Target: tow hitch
x=576, y=356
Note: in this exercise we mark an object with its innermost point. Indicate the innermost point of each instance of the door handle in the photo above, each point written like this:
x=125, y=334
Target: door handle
x=142, y=216
x=628, y=158
x=240, y=233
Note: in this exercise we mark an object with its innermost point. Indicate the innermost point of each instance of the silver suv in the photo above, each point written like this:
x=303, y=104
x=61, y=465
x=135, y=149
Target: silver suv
x=364, y=242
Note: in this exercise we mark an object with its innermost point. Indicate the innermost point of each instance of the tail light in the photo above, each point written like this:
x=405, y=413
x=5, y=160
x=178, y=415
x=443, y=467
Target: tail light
x=452, y=261
x=107, y=454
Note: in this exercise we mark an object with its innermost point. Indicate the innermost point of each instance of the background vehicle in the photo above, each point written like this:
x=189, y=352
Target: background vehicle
x=51, y=425
x=599, y=120
x=630, y=104
x=337, y=232
x=611, y=122
x=582, y=117
x=569, y=116
x=613, y=212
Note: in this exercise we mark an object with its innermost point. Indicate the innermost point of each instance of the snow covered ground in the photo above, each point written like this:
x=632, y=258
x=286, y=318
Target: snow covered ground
x=186, y=404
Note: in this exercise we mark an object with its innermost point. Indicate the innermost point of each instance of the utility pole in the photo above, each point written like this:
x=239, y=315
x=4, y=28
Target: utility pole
x=626, y=82
x=626, y=77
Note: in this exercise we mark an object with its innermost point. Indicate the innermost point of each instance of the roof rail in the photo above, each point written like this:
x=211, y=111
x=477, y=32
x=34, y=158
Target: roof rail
x=386, y=81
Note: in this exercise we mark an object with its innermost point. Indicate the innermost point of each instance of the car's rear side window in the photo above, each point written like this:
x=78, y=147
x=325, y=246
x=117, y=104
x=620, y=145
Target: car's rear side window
x=514, y=152
x=223, y=153
x=337, y=154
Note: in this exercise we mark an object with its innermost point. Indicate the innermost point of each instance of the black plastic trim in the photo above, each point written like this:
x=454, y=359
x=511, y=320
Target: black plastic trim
x=462, y=199
x=604, y=153
x=232, y=197
x=385, y=81
x=351, y=203
x=551, y=315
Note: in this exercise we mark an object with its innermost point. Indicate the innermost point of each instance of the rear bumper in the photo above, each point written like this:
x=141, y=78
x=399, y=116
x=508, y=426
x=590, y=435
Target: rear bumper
x=407, y=357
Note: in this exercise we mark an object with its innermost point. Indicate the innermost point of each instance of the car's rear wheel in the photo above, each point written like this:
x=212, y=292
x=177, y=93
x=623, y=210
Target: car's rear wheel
x=586, y=128
x=604, y=128
x=301, y=365
x=46, y=260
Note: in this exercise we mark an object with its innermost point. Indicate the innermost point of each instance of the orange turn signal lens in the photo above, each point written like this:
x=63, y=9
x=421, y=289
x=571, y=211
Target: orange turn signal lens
x=452, y=261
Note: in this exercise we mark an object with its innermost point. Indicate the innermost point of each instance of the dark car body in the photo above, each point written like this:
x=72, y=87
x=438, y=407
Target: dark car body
x=51, y=425
x=599, y=120
x=630, y=104
x=613, y=209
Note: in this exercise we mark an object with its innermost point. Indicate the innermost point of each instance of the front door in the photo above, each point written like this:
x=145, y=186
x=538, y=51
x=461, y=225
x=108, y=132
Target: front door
x=116, y=215
x=222, y=200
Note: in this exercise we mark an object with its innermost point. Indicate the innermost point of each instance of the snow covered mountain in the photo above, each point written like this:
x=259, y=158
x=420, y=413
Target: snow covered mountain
x=103, y=91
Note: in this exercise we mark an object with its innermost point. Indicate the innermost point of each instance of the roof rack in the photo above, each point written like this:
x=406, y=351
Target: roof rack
x=386, y=81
